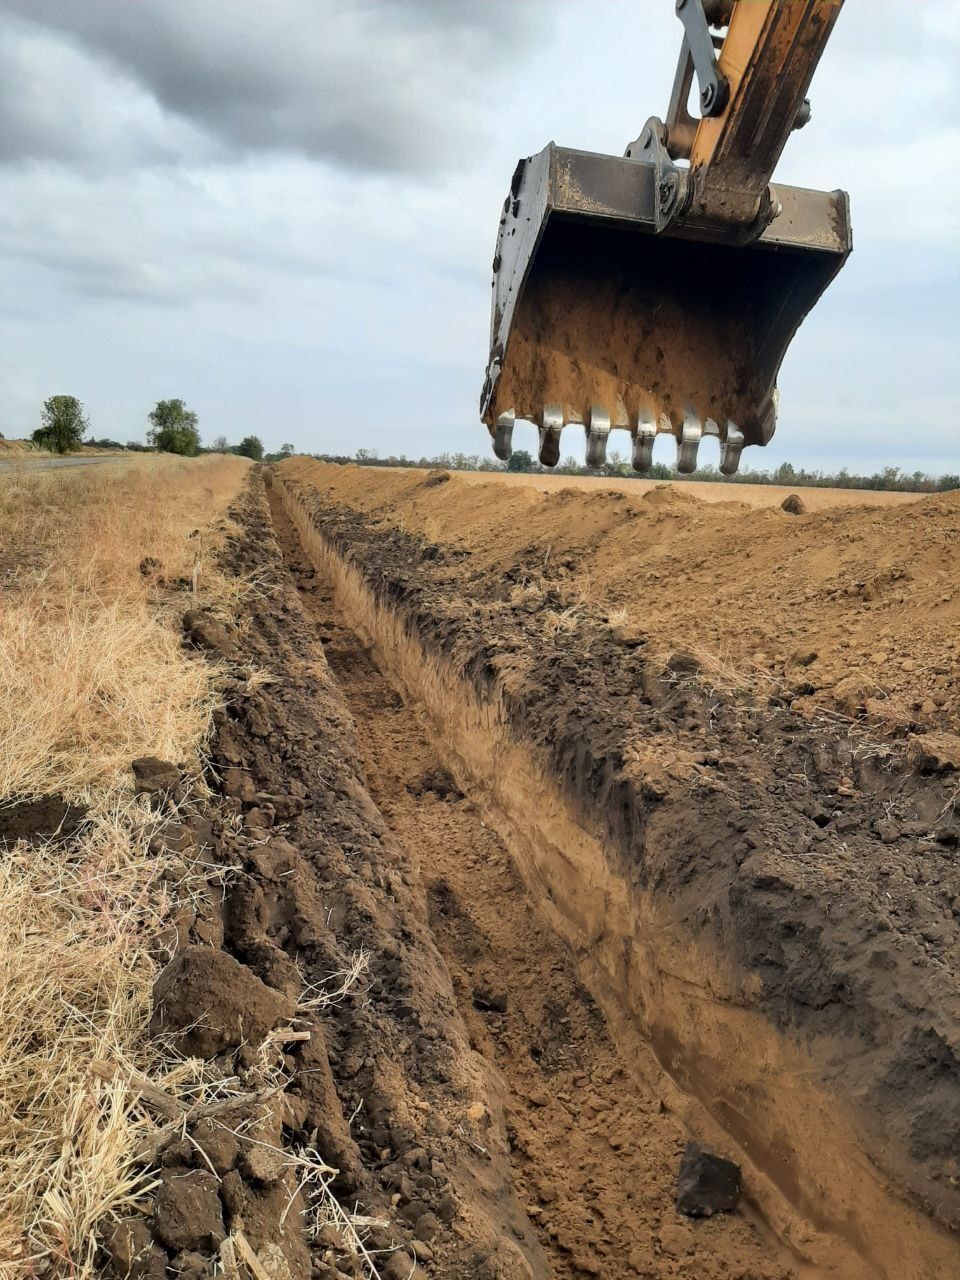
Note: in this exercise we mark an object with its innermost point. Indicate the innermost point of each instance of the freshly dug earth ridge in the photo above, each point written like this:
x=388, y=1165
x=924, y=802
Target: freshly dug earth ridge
x=466, y=1089
x=756, y=883
x=585, y=1147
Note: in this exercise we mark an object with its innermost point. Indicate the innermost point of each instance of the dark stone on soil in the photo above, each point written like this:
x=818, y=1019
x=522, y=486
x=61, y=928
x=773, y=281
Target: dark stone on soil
x=434, y=478
x=39, y=819
x=130, y=1247
x=489, y=1001
x=216, y=1002
x=706, y=1184
x=151, y=776
x=793, y=505
x=187, y=1213
x=427, y=1226
x=204, y=631
x=683, y=664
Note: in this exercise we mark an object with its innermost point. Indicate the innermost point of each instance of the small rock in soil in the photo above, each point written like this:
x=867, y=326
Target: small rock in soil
x=427, y=1226
x=129, y=1244
x=935, y=752
x=489, y=1001
x=206, y=633
x=217, y=1143
x=793, y=505
x=187, y=1213
x=151, y=776
x=399, y=1267
x=706, y=1184
x=215, y=1001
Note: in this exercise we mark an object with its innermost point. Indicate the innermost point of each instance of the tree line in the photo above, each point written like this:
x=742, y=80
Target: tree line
x=888, y=478
x=174, y=428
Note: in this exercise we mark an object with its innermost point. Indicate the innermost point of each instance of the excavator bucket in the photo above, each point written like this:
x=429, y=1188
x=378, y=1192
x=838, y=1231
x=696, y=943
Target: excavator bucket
x=610, y=315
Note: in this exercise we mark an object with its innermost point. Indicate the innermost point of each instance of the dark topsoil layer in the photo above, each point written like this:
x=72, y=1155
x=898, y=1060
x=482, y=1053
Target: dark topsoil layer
x=815, y=857
x=382, y=1089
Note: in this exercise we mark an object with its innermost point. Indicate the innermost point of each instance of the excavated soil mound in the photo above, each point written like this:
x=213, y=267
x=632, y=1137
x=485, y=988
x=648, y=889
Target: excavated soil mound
x=724, y=743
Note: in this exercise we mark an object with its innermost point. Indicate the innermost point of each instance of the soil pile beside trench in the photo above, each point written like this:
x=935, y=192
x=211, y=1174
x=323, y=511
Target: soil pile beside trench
x=765, y=886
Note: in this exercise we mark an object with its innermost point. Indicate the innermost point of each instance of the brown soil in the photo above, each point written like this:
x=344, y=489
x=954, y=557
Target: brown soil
x=43, y=818
x=652, y=340
x=593, y=1153
x=854, y=607
x=763, y=893
x=745, y=495
x=602, y=904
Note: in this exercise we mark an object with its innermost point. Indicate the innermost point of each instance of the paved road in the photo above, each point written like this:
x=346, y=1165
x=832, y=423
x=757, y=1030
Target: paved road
x=27, y=462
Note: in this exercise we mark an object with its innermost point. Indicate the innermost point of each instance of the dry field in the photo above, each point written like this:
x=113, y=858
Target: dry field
x=524, y=830
x=93, y=676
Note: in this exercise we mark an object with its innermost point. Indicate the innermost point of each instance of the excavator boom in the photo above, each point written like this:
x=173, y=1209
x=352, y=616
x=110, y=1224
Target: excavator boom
x=658, y=292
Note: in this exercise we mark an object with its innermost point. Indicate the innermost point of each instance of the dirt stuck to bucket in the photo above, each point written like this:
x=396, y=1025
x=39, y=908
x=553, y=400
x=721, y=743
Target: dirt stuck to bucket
x=636, y=327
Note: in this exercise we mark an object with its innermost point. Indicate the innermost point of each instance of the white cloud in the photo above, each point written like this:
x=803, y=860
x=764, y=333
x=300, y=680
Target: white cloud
x=287, y=213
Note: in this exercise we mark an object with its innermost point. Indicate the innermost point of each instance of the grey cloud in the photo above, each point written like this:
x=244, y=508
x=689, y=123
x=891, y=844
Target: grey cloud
x=401, y=85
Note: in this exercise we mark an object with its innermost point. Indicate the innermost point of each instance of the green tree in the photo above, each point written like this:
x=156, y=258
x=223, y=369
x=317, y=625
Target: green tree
x=63, y=424
x=250, y=447
x=174, y=428
x=287, y=451
x=520, y=460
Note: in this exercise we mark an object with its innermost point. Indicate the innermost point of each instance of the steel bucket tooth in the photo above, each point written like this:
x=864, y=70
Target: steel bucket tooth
x=551, y=424
x=600, y=302
x=688, y=443
x=503, y=436
x=731, y=448
x=598, y=433
x=643, y=443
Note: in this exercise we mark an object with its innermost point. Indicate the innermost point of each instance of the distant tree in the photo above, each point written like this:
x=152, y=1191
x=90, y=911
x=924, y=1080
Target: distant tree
x=174, y=428
x=220, y=444
x=63, y=424
x=287, y=451
x=250, y=447
x=520, y=460
x=366, y=456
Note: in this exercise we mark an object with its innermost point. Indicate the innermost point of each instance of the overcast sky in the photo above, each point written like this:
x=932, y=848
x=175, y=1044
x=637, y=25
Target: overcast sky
x=285, y=213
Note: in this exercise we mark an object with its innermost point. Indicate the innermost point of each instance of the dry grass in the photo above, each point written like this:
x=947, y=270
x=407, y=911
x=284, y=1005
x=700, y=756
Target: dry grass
x=93, y=676
x=90, y=665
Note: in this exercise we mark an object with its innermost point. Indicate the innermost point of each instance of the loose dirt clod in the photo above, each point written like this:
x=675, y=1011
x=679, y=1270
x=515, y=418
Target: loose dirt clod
x=215, y=1002
x=793, y=505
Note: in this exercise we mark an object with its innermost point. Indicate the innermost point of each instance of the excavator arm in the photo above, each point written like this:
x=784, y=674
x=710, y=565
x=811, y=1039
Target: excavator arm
x=657, y=293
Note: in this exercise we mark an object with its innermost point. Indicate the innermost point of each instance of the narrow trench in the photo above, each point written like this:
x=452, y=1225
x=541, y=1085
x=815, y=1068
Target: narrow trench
x=594, y=1155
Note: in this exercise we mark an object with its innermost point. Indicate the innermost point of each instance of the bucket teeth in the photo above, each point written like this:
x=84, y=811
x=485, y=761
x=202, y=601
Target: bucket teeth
x=551, y=424
x=503, y=436
x=598, y=432
x=688, y=443
x=643, y=446
x=730, y=450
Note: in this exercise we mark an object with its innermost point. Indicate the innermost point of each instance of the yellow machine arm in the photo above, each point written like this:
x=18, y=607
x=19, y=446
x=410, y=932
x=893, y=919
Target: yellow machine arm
x=658, y=293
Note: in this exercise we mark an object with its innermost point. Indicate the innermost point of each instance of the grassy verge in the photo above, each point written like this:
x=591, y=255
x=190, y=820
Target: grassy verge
x=95, y=571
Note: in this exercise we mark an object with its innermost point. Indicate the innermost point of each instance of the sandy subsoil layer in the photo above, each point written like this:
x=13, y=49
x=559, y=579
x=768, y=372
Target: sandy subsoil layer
x=768, y=886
